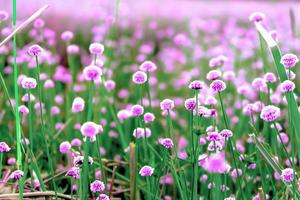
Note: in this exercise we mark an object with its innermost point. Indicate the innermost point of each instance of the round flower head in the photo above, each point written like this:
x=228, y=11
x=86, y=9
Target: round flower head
x=215, y=146
x=137, y=110
x=289, y=60
x=167, y=104
x=11, y=161
x=270, y=113
x=190, y=104
x=35, y=50
x=54, y=110
x=229, y=75
x=64, y=147
x=28, y=83
x=90, y=129
x=110, y=85
x=141, y=132
x=196, y=85
x=73, y=49
x=166, y=142
x=287, y=175
x=217, y=61
x=38, y=23
x=204, y=112
x=103, y=197
x=67, y=36
x=213, y=75
x=49, y=84
x=3, y=15
x=77, y=105
x=74, y=172
x=97, y=186
x=23, y=109
x=139, y=77
x=287, y=86
x=17, y=175
x=96, y=48
x=257, y=17
x=76, y=142
x=4, y=147
x=124, y=114
x=78, y=161
x=274, y=35
x=92, y=73
x=146, y=171
x=217, y=86
x=270, y=77
x=249, y=109
x=225, y=133
x=215, y=163
x=149, y=117
x=213, y=136
x=148, y=66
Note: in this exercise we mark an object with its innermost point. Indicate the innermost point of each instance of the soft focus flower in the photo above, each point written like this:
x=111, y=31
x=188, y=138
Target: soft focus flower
x=213, y=75
x=216, y=163
x=90, y=129
x=74, y=172
x=141, y=132
x=146, y=171
x=139, y=77
x=49, y=84
x=103, y=197
x=167, y=104
x=17, y=175
x=23, y=109
x=289, y=60
x=287, y=86
x=287, y=175
x=96, y=48
x=67, y=36
x=97, y=186
x=217, y=61
x=213, y=136
x=64, y=147
x=78, y=161
x=73, y=49
x=225, y=133
x=35, y=50
x=196, y=85
x=257, y=17
x=190, y=104
x=270, y=77
x=270, y=113
x=217, y=86
x=137, y=110
x=92, y=73
x=149, y=117
x=148, y=66
x=3, y=15
x=166, y=142
x=110, y=85
x=28, y=83
x=77, y=105
x=4, y=147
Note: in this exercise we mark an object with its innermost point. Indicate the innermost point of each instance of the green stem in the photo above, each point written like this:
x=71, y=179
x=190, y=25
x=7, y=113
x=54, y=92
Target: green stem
x=39, y=85
x=227, y=125
x=85, y=174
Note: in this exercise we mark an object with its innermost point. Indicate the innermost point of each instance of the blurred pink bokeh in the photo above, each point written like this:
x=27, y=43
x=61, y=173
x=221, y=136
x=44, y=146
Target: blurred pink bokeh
x=66, y=13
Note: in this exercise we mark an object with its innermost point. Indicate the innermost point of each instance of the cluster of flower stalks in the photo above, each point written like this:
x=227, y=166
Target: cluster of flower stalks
x=205, y=109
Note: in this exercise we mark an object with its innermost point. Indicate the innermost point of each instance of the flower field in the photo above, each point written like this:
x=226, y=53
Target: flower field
x=173, y=105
